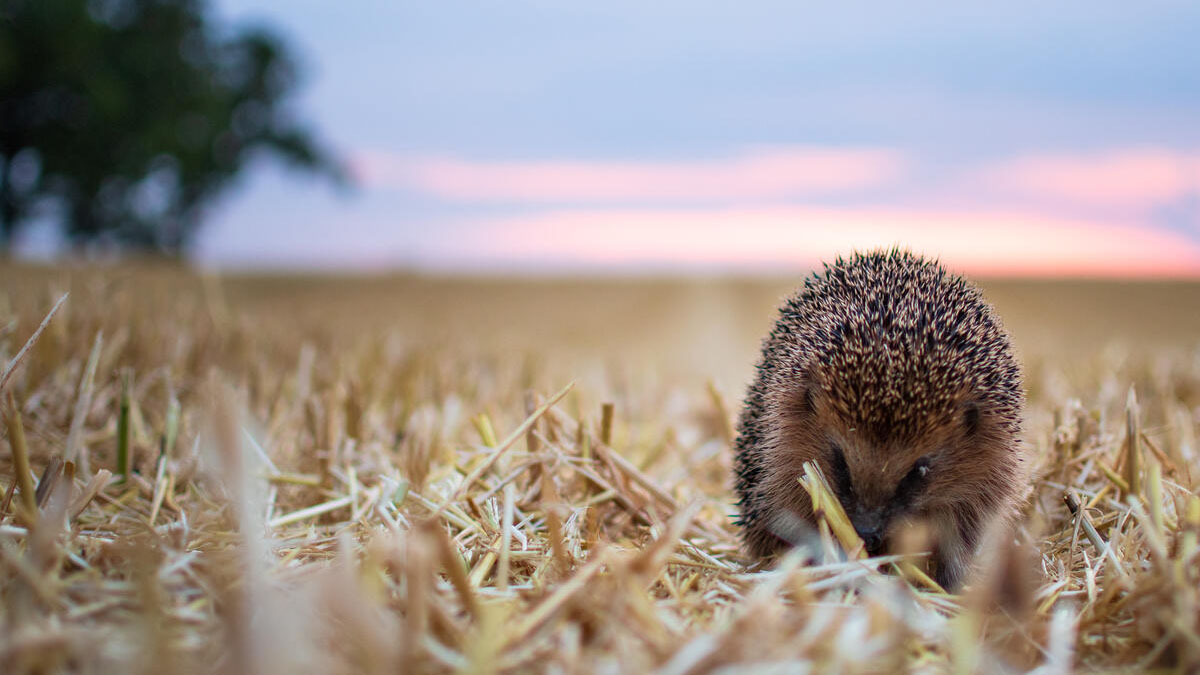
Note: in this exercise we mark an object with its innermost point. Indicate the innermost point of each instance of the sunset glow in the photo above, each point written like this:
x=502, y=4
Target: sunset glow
x=779, y=209
x=786, y=238
x=1137, y=179
x=761, y=174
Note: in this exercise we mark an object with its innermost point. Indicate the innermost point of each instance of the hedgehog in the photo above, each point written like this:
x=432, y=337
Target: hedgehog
x=898, y=380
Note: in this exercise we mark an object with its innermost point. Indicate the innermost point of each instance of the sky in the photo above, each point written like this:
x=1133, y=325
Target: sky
x=1027, y=138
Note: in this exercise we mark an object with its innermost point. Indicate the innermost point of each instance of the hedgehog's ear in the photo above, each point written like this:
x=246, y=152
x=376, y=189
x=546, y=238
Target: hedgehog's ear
x=804, y=398
x=970, y=418
x=810, y=386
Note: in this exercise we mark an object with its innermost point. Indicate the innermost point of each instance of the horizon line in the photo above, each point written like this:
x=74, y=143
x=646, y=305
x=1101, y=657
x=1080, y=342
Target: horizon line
x=592, y=271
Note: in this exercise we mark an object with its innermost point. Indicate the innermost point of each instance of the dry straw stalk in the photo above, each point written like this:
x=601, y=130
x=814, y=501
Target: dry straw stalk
x=326, y=477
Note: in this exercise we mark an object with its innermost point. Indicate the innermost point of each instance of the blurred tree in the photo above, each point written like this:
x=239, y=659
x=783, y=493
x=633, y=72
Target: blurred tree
x=126, y=117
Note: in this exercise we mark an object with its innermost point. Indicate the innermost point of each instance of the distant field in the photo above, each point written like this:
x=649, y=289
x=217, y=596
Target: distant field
x=330, y=495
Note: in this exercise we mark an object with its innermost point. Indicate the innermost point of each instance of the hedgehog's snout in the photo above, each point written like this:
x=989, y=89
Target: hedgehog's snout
x=870, y=528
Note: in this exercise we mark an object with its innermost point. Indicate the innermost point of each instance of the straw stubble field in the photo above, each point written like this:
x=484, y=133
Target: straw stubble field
x=426, y=475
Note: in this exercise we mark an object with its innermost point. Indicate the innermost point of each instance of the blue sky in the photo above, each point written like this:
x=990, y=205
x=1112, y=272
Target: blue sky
x=1032, y=116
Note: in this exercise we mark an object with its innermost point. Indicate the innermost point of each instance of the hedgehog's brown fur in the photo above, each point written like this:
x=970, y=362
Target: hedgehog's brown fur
x=881, y=365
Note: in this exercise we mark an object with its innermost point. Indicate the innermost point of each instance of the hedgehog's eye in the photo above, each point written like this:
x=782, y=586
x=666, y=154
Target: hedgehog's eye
x=841, y=471
x=913, y=480
x=971, y=419
x=919, y=470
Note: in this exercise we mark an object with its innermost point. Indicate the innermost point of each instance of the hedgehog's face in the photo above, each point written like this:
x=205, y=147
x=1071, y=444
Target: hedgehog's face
x=882, y=482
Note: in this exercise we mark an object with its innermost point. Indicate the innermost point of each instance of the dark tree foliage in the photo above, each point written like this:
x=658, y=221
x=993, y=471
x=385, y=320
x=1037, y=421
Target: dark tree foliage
x=125, y=118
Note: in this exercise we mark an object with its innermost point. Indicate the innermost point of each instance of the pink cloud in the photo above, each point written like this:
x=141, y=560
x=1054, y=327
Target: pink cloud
x=1039, y=214
x=1124, y=179
x=761, y=174
x=996, y=243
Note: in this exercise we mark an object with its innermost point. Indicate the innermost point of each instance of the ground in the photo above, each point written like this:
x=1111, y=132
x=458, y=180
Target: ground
x=333, y=474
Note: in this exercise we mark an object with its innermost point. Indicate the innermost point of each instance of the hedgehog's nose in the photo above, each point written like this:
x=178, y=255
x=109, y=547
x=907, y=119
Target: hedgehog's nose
x=870, y=529
x=873, y=540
